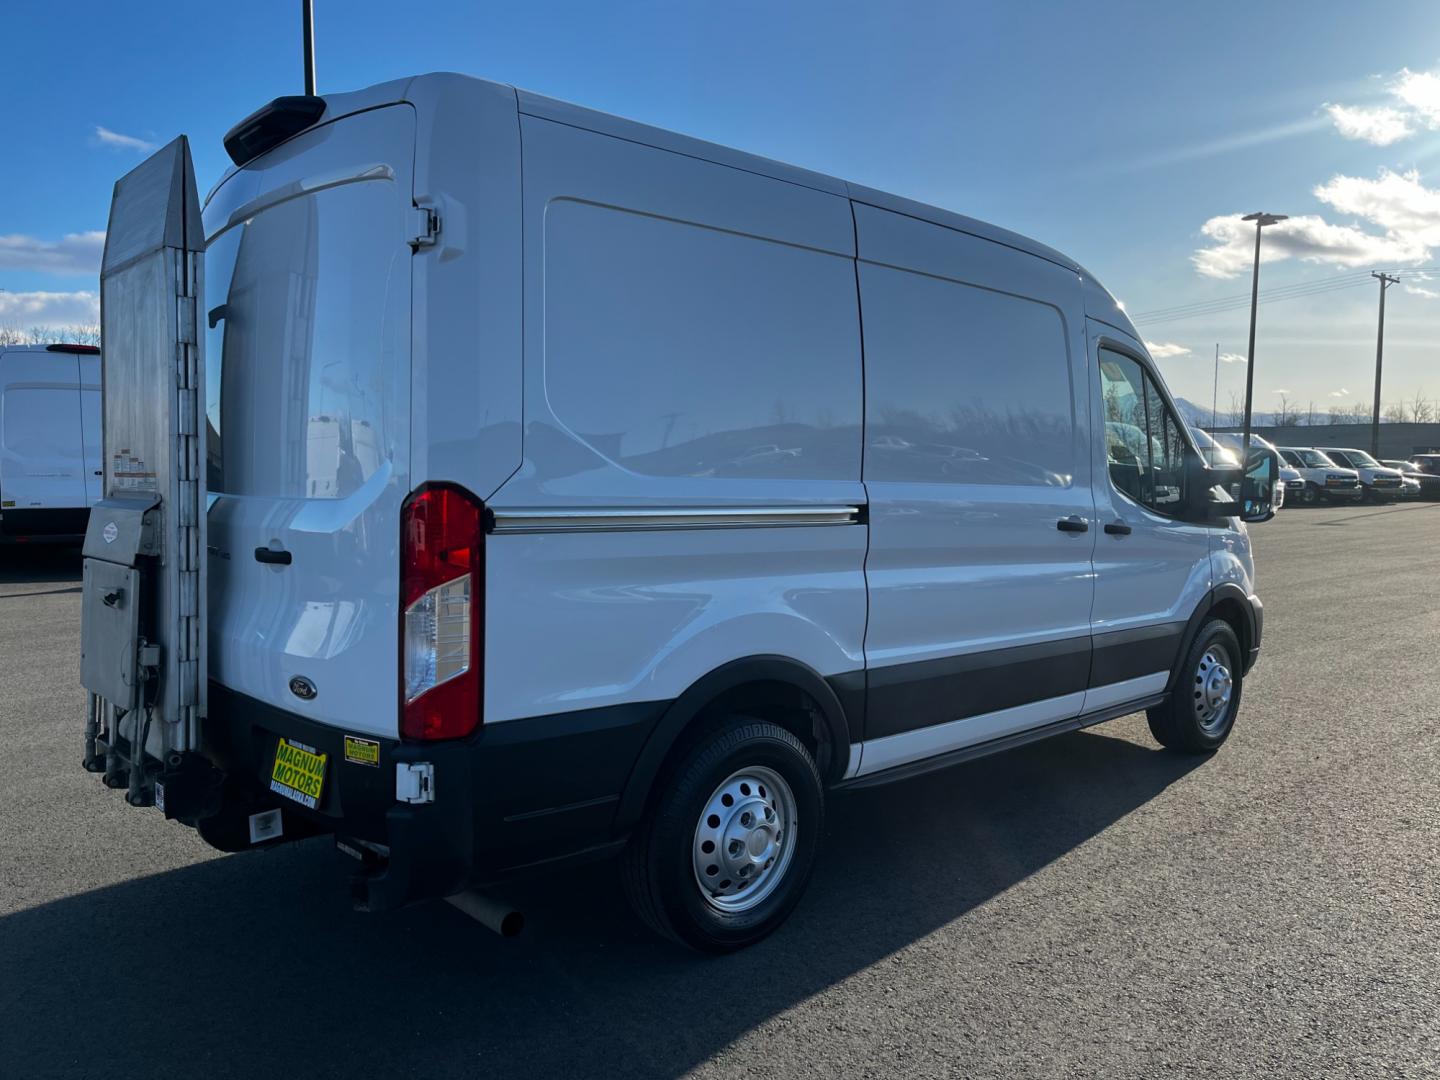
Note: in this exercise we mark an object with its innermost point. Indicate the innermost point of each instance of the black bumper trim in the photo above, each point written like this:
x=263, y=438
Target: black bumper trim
x=518, y=792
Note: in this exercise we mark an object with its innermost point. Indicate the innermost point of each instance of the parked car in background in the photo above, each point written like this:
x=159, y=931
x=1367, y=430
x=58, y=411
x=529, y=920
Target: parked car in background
x=1377, y=483
x=1291, y=484
x=1418, y=483
x=49, y=441
x=1324, y=481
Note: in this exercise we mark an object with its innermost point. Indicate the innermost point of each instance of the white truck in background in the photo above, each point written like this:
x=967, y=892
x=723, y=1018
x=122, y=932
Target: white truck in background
x=49, y=441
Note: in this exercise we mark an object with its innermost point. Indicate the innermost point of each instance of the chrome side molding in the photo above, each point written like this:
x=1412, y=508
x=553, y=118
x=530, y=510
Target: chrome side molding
x=634, y=519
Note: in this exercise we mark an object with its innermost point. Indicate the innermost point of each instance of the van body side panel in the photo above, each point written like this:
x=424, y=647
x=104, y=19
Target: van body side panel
x=977, y=443
x=42, y=443
x=691, y=342
x=1148, y=582
x=307, y=310
x=466, y=354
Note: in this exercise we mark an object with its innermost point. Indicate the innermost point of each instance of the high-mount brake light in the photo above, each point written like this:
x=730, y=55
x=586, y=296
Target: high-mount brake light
x=442, y=582
x=89, y=350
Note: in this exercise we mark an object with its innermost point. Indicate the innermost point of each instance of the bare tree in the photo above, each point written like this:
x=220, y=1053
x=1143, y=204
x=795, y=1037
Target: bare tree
x=1284, y=416
x=1237, y=410
x=1338, y=415
x=49, y=335
x=1309, y=417
x=1394, y=413
x=1422, y=411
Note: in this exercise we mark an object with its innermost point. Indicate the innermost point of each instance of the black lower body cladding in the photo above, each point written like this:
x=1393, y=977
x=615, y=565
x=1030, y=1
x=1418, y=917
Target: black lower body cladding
x=516, y=793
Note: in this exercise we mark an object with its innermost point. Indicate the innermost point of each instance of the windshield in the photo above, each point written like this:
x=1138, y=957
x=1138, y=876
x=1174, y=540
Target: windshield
x=1310, y=459
x=1359, y=457
x=1233, y=439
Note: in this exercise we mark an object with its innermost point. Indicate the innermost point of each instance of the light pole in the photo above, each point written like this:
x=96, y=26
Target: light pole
x=1261, y=220
x=1386, y=280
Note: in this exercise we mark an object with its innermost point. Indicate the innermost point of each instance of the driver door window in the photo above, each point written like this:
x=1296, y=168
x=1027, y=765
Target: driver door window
x=1144, y=443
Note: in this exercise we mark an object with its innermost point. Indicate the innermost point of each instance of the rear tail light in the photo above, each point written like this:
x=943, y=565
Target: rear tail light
x=442, y=565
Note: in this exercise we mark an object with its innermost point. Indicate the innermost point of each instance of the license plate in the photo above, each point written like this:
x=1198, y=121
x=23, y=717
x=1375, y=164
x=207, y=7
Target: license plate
x=298, y=773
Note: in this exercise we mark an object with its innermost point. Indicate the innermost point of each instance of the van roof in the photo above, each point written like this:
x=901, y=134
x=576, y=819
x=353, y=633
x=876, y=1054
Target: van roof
x=531, y=104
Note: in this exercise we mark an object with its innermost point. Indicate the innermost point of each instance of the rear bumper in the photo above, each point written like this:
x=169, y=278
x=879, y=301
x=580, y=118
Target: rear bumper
x=516, y=795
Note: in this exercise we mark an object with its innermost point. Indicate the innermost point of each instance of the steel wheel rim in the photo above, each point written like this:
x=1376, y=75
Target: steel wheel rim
x=745, y=839
x=1213, y=689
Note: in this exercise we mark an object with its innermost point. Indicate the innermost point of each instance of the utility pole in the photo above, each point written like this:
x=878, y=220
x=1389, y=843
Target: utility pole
x=1386, y=280
x=1261, y=220
x=307, y=36
x=1215, y=392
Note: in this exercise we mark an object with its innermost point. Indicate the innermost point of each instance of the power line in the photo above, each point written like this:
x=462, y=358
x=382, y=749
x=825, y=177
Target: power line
x=1221, y=305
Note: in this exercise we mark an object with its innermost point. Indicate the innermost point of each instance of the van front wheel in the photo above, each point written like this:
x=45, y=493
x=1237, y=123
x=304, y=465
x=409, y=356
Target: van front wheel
x=1201, y=710
x=726, y=851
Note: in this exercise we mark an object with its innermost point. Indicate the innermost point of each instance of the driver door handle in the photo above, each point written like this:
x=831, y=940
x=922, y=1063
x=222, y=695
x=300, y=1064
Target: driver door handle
x=1117, y=528
x=1073, y=524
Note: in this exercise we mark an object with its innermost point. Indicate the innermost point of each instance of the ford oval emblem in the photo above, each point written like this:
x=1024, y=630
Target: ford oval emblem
x=302, y=688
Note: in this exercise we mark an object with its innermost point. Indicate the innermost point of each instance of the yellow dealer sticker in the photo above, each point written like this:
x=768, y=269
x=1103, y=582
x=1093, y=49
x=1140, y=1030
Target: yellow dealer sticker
x=362, y=751
x=299, y=773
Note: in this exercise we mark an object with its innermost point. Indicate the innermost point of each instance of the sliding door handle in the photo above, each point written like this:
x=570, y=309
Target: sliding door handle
x=1073, y=523
x=1117, y=528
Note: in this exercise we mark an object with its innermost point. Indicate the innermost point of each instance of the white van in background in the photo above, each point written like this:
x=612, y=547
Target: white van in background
x=49, y=441
x=577, y=487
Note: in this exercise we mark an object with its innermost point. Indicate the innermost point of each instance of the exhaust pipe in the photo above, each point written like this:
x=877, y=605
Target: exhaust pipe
x=490, y=912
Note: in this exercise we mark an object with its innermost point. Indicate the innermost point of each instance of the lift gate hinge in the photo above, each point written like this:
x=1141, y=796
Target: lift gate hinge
x=426, y=223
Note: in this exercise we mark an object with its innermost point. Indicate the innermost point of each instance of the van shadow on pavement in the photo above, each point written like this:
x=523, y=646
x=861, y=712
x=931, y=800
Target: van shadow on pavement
x=25, y=564
x=253, y=964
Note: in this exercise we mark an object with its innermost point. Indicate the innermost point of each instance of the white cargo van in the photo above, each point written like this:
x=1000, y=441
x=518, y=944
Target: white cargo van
x=577, y=487
x=49, y=441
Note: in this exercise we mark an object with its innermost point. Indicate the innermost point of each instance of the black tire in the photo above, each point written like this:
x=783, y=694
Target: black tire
x=659, y=869
x=1310, y=494
x=1178, y=725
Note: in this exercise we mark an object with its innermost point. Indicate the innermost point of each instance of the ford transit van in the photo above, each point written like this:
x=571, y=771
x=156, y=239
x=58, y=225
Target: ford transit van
x=577, y=488
x=49, y=441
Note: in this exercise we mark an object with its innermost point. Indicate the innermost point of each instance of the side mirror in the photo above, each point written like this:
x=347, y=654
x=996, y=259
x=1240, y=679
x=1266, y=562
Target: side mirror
x=1257, y=490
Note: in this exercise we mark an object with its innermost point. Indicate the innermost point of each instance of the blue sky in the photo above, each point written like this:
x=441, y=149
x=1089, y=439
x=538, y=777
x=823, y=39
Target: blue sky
x=1126, y=134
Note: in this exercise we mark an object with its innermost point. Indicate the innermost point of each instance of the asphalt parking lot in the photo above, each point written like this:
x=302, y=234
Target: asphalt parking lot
x=1090, y=906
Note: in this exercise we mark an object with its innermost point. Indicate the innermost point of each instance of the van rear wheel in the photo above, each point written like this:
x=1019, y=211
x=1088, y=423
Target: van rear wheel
x=1200, y=713
x=726, y=851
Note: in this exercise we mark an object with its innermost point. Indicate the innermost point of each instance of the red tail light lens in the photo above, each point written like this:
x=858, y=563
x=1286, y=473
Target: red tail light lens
x=442, y=620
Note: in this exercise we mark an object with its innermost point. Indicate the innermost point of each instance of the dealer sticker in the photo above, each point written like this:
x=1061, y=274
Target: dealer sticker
x=362, y=751
x=299, y=773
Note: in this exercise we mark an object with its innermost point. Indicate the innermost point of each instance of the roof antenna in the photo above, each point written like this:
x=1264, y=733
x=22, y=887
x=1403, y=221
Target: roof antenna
x=307, y=30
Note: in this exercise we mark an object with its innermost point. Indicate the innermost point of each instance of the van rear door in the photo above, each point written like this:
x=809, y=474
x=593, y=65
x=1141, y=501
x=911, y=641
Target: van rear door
x=308, y=433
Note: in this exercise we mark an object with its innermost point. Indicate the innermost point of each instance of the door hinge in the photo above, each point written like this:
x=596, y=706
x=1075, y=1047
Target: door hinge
x=426, y=223
x=414, y=782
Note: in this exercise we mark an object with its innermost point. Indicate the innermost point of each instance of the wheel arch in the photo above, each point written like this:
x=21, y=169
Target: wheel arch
x=793, y=694
x=1225, y=601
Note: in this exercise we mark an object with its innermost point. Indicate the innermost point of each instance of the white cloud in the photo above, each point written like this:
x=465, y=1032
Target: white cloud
x=106, y=137
x=1341, y=393
x=26, y=309
x=1232, y=358
x=1398, y=203
x=1164, y=350
x=1420, y=90
x=1380, y=125
x=76, y=253
x=1419, y=290
x=1415, y=105
x=1280, y=390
